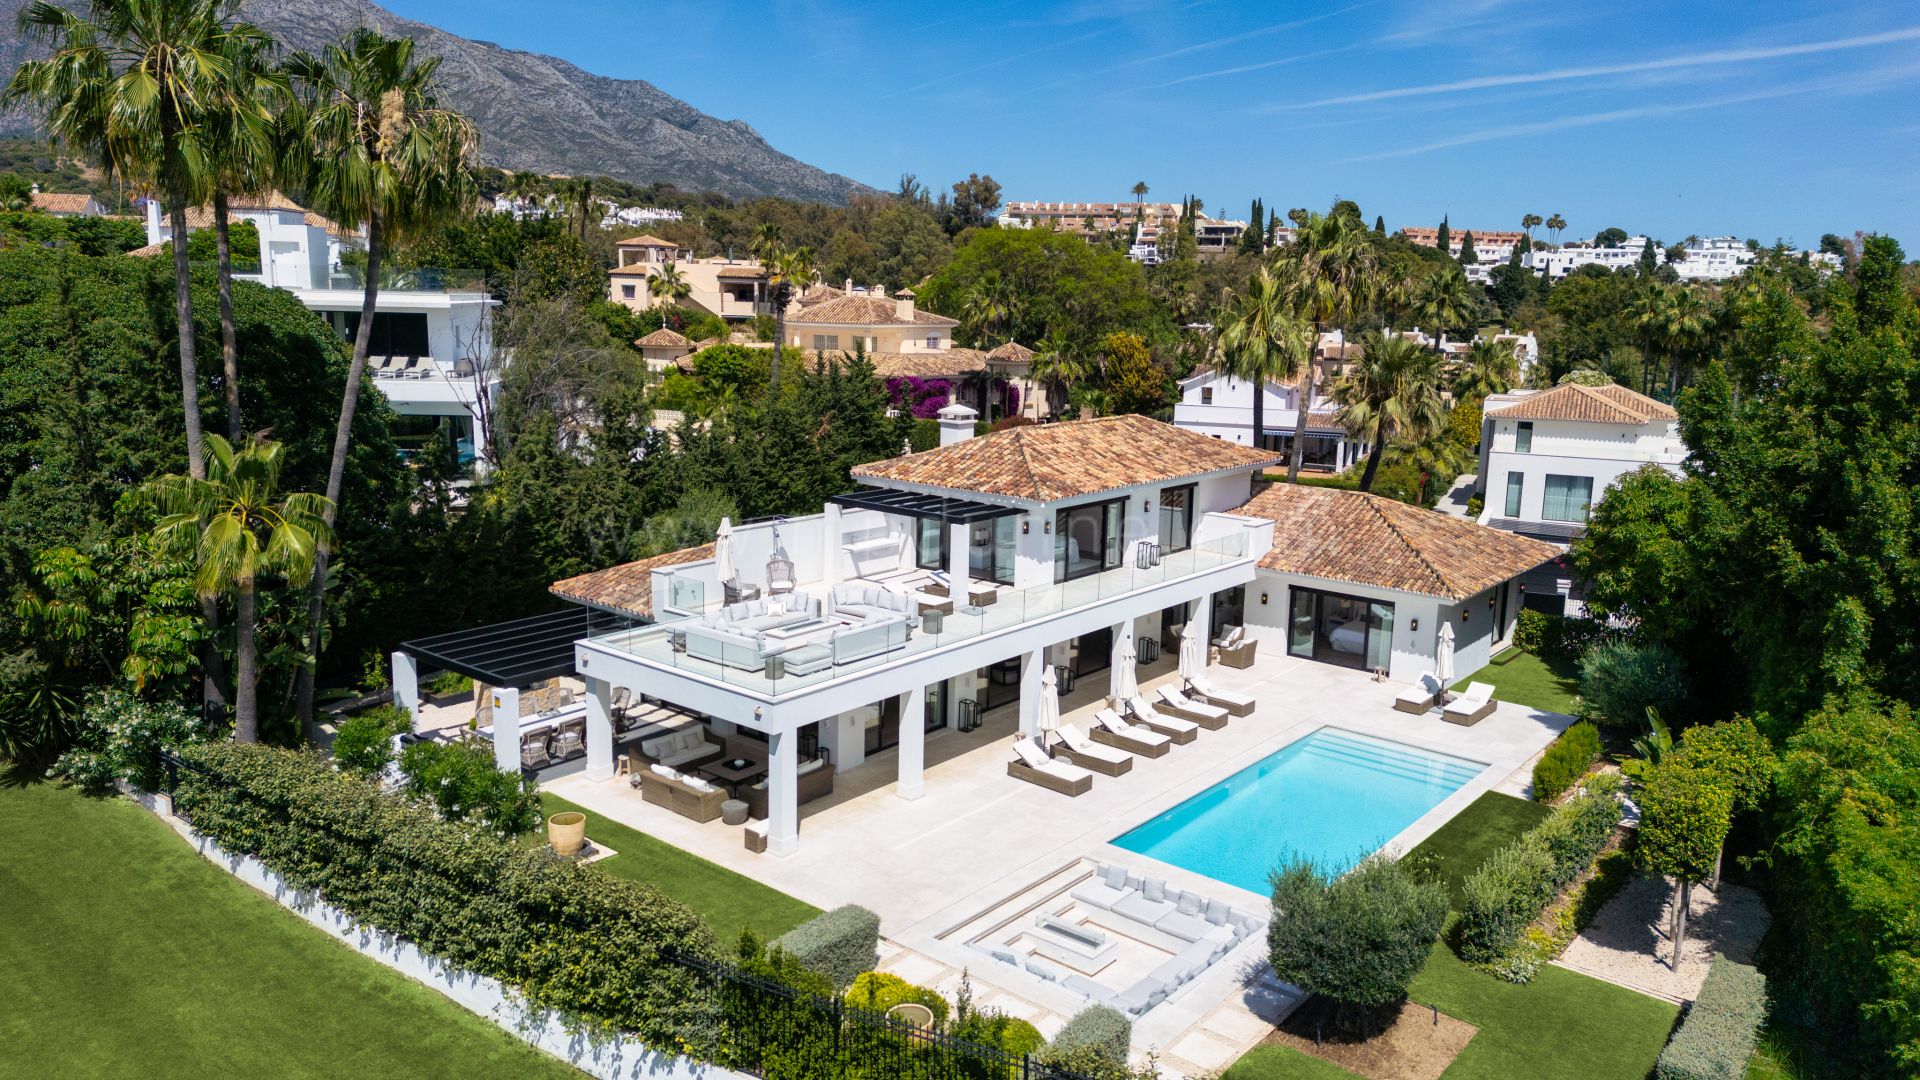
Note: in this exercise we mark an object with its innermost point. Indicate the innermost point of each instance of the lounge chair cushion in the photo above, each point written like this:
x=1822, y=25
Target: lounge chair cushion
x=1217, y=912
x=697, y=784
x=1189, y=904
x=1097, y=893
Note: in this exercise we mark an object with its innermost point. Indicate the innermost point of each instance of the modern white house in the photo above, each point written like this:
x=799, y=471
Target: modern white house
x=431, y=352
x=1220, y=406
x=1547, y=455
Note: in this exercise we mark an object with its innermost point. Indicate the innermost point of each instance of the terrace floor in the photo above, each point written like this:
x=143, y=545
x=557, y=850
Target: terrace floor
x=978, y=836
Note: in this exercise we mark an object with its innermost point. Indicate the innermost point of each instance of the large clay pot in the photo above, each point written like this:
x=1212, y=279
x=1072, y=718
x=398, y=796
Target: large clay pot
x=913, y=1013
x=567, y=832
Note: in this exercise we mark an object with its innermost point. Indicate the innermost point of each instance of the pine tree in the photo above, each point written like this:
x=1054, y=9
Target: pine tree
x=1446, y=235
x=1467, y=257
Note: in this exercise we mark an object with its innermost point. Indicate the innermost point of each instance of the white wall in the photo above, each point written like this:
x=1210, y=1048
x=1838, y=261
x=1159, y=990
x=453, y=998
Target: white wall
x=1603, y=452
x=1474, y=639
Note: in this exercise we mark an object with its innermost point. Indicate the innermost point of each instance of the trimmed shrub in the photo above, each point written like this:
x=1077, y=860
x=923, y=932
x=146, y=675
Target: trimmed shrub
x=840, y=944
x=1357, y=938
x=363, y=743
x=1620, y=681
x=1102, y=1029
x=1566, y=761
x=880, y=991
x=1558, y=638
x=568, y=936
x=1721, y=1029
x=463, y=781
x=1508, y=892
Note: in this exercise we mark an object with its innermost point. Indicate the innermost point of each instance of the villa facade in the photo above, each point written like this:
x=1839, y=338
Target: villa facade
x=733, y=289
x=1220, y=406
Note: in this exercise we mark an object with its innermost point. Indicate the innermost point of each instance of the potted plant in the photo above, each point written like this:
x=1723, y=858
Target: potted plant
x=567, y=832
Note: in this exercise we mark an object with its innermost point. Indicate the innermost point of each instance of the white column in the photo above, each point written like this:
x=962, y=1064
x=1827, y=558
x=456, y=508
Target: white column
x=913, y=743
x=1031, y=664
x=599, y=730
x=406, y=683
x=1203, y=618
x=506, y=728
x=833, y=542
x=957, y=564
x=783, y=801
x=1122, y=632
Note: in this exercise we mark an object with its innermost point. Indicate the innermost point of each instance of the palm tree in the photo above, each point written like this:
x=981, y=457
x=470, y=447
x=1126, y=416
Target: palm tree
x=1527, y=223
x=246, y=138
x=1264, y=341
x=1648, y=313
x=380, y=152
x=1445, y=300
x=521, y=186
x=579, y=192
x=1491, y=367
x=669, y=285
x=1056, y=366
x=789, y=271
x=1556, y=223
x=765, y=243
x=986, y=309
x=1392, y=392
x=1139, y=192
x=1687, y=320
x=1331, y=273
x=241, y=528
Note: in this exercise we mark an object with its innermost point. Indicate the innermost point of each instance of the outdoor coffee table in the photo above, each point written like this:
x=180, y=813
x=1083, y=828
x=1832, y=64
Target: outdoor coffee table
x=734, y=771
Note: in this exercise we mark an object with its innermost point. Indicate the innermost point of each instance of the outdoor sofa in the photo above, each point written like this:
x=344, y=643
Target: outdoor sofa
x=813, y=778
x=682, y=749
x=688, y=796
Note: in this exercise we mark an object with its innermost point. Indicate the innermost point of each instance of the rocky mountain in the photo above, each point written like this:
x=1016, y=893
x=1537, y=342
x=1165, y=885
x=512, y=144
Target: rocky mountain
x=541, y=113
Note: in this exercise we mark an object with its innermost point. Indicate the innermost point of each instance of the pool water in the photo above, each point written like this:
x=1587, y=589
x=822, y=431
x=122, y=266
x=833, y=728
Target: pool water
x=1332, y=796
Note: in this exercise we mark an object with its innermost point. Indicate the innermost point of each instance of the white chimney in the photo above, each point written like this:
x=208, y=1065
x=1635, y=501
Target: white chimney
x=956, y=423
x=903, y=305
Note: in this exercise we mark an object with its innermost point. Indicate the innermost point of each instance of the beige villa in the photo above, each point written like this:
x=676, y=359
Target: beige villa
x=733, y=289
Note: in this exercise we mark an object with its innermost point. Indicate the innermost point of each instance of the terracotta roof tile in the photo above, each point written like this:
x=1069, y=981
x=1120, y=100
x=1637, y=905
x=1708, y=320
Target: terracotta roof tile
x=864, y=311
x=1048, y=462
x=150, y=249
x=747, y=270
x=627, y=588
x=1612, y=404
x=646, y=240
x=931, y=363
x=1366, y=539
x=61, y=202
x=1011, y=353
x=664, y=338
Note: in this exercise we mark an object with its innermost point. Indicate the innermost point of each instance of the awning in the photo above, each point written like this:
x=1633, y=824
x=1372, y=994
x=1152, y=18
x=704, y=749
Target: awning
x=517, y=652
x=917, y=504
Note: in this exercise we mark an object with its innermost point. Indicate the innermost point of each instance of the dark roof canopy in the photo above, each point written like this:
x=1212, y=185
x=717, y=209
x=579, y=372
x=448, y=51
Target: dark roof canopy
x=519, y=651
x=918, y=504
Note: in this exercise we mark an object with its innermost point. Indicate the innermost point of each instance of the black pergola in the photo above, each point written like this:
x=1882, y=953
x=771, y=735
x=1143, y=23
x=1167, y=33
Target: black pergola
x=916, y=504
x=519, y=651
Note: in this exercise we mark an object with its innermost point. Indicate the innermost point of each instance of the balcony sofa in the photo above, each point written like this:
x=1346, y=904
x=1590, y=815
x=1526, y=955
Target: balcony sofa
x=814, y=780
x=866, y=602
x=735, y=635
x=687, y=796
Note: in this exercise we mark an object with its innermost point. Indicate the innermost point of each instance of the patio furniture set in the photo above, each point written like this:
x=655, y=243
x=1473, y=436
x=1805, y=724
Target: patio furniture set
x=1471, y=707
x=1196, y=932
x=1146, y=730
x=802, y=634
x=691, y=773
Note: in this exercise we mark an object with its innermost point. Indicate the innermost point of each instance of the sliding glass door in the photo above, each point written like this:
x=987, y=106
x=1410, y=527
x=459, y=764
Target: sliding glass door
x=1347, y=630
x=1086, y=539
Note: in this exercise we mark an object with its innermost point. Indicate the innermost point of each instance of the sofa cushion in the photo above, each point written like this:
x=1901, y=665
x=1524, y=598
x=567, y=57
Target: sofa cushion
x=667, y=771
x=1153, y=889
x=1217, y=912
x=1115, y=875
x=1140, y=909
x=1189, y=904
x=1183, y=926
x=697, y=784
x=657, y=747
x=808, y=766
x=1098, y=893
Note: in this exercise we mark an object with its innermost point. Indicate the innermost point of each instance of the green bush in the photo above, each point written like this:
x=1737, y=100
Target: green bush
x=121, y=738
x=1509, y=891
x=1356, y=938
x=880, y=991
x=364, y=741
x=1558, y=639
x=1620, y=681
x=1566, y=761
x=840, y=944
x=1717, y=1038
x=925, y=435
x=449, y=682
x=463, y=781
x=1104, y=1030
x=569, y=937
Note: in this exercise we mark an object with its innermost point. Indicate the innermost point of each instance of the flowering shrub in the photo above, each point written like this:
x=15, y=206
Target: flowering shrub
x=924, y=398
x=121, y=738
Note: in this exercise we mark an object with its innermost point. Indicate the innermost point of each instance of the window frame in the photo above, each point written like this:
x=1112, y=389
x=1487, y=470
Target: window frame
x=1523, y=437
x=1189, y=493
x=1516, y=491
x=1550, y=506
x=1110, y=516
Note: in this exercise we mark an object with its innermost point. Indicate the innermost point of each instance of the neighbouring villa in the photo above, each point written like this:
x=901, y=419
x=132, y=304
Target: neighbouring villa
x=1020, y=693
x=733, y=289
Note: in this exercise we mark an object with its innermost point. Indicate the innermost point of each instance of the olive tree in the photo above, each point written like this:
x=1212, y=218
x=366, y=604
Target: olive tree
x=1357, y=939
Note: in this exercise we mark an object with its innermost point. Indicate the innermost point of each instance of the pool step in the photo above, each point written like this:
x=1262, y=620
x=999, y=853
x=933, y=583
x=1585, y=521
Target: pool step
x=1402, y=764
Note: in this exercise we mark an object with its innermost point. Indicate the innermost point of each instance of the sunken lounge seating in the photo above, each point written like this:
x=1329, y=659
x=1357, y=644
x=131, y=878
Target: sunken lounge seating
x=1032, y=764
x=1198, y=930
x=688, y=796
x=682, y=749
x=813, y=778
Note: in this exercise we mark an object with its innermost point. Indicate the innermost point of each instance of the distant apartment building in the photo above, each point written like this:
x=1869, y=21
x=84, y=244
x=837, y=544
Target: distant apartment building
x=733, y=289
x=1493, y=246
x=1556, y=264
x=1087, y=218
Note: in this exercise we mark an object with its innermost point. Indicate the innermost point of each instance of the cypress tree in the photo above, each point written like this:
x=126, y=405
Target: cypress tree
x=1467, y=257
x=1647, y=260
x=1379, y=225
x=1446, y=235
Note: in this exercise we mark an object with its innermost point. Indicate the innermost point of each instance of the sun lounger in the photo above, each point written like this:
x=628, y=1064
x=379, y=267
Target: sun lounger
x=1471, y=707
x=1235, y=704
x=1088, y=754
x=1137, y=739
x=1173, y=727
x=1034, y=766
x=1180, y=705
x=1418, y=698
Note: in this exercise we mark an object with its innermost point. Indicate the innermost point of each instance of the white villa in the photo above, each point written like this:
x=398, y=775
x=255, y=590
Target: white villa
x=1220, y=406
x=432, y=341
x=1547, y=455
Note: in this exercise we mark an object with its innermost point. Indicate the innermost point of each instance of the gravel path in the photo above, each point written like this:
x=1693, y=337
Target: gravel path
x=1627, y=944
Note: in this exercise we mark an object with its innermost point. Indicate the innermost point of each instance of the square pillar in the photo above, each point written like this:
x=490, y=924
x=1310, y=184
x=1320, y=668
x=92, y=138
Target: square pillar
x=783, y=792
x=1031, y=665
x=957, y=565
x=913, y=743
x=406, y=683
x=1122, y=636
x=1202, y=621
x=833, y=544
x=599, y=730
x=506, y=728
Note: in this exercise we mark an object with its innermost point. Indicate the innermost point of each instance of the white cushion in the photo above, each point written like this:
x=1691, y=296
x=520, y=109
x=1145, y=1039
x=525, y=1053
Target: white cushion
x=666, y=771
x=655, y=747
x=697, y=784
x=1153, y=889
x=1115, y=875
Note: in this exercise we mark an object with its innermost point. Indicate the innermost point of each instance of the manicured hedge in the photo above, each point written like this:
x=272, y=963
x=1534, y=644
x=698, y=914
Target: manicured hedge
x=1557, y=638
x=840, y=944
x=1566, y=761
x=1516, y=884
x=567, y=936
x=1099, y=1028
x=880, y=991
x=1717, y=1038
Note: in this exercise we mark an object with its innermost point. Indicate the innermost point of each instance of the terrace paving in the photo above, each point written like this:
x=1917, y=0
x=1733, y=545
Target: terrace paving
x=978, y=836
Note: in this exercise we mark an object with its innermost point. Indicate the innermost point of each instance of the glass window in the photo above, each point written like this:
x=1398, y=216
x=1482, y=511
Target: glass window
x=933, y=342
x=1567, y=498
x=826, y=341
x=1206, y=395
x=1176, y=518
x=1086, y=539
x=1300, y=623
x=1515, y=483
x=930, y=553
x=1379, y=637
x=990, y=550
x=1116, y=527
x=1523, y=437
x=627, y=292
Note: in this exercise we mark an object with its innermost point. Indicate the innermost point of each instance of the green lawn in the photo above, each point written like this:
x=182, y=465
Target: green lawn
x=1560, y=1026
x=126, y=954
x=1525, y=679
x=1461, y=845
x=728, y=901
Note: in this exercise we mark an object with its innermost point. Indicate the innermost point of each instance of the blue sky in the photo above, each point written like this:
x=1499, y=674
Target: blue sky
x=1758, y=119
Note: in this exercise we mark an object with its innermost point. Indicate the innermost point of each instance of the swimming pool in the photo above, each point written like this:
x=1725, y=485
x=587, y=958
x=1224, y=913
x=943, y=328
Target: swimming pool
x=1333, y=796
